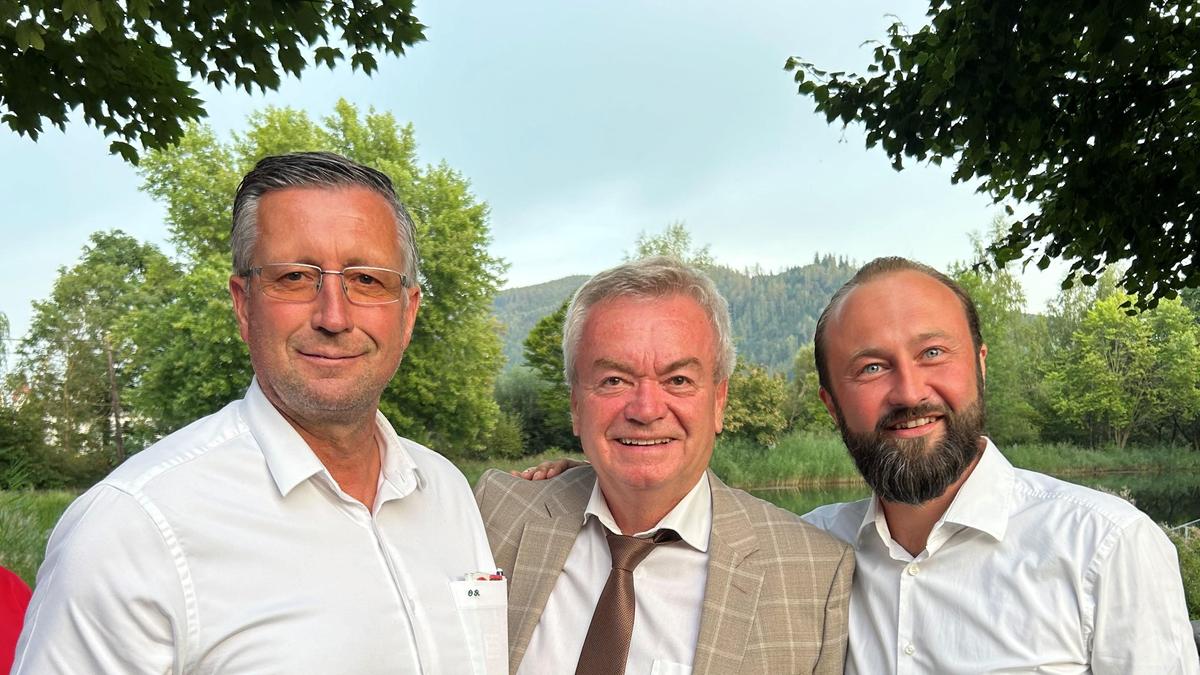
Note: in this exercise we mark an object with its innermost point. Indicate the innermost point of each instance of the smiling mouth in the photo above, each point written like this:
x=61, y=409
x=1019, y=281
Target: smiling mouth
x=330, y=357
x=643, y=441
x=914, y=423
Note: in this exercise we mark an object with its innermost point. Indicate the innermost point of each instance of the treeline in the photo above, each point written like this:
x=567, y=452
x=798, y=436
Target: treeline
x=773, y=313
x=1089, y=371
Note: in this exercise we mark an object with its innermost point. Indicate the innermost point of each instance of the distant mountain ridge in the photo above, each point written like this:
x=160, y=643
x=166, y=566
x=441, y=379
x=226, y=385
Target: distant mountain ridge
x=518, y=309
x=773, y=314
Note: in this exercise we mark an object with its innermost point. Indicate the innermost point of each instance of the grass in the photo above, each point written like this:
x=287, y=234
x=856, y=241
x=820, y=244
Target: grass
x=1060, y=459
x=800, y=459
x=26, y=519
x=807, y=459
x=474, y=468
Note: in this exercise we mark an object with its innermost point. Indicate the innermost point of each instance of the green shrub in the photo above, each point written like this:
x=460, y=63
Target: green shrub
x=1189, y=565
x=508, y=437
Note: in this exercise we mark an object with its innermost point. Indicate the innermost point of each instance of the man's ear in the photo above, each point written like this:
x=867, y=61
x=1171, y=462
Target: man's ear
x=983, y=362
x=719, y=409
x=574, y=408
x=827, y=399
x=239, y=291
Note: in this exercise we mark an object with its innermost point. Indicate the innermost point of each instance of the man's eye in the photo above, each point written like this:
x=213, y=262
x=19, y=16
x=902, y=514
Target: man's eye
x=610, y=381
x=678, y=381
x=295, y=277
x=933, y=352
x=361, y=279
x=872, y=368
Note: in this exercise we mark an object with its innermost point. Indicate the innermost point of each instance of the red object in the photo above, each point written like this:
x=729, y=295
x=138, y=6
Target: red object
x=14, y=598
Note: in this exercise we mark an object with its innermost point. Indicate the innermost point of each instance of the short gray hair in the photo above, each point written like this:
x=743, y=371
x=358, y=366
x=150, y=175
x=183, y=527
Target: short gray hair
x=312, y=169
x=656, y=277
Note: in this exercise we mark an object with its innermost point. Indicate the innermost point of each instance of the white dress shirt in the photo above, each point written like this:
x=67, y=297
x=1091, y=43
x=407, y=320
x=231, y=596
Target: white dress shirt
x=1023, y=573
x=668, y=586
x=227, y=547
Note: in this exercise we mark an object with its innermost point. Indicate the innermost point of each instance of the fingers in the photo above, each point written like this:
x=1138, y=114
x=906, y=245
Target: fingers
x=547, y=469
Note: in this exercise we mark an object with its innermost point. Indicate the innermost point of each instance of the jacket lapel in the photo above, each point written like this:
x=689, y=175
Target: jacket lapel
x=545, y=544
x=731, y=592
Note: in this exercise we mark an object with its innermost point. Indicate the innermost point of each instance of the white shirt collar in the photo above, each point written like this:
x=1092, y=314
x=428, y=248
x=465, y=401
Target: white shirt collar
x=983, y=503
x=289, y=465
x=691, y=518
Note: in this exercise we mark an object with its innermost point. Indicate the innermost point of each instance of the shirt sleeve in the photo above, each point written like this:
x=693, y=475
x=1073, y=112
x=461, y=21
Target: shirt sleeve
x=1141, y=621
x=108, y=597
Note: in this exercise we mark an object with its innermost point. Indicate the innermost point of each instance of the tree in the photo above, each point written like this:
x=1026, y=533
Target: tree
x=804, y=409
x=675, y=242
x=1084, y=110
x=755, y=406
x=1016, y=346
x=75, y=367
x=128, y=64
x=543, y=353
x=193, y=358
x=1124, y=373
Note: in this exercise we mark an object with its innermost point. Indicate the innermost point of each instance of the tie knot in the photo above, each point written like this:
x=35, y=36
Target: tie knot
x=629, y=552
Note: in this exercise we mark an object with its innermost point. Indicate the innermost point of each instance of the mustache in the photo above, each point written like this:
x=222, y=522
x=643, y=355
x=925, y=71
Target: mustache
x=906, y=413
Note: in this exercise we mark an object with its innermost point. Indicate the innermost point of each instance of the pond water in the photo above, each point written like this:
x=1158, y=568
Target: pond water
x=1167, y=498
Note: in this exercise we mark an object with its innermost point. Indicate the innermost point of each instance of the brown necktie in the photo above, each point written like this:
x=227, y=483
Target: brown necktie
x=606, y=648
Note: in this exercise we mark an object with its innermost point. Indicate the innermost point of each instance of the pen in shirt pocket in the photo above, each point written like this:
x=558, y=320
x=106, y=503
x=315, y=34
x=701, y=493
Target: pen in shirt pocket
x=498, y=575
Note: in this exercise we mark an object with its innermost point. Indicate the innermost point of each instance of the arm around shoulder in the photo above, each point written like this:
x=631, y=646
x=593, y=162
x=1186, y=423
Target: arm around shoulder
x=109, y=597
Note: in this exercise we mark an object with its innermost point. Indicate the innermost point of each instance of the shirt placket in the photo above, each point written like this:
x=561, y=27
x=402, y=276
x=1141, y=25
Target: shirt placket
x=907, y=645
x=418, y=624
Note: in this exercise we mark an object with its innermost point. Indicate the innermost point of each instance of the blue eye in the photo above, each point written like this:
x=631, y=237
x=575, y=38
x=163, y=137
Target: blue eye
x=933, y=352
x=872, y=368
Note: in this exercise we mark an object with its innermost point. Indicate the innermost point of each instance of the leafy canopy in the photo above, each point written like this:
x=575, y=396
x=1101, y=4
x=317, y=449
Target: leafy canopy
x=1085, y=110
x=128, y=63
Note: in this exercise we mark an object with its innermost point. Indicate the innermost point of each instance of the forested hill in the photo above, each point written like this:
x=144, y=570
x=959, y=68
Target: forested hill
x=519, y=308
x=773, y=313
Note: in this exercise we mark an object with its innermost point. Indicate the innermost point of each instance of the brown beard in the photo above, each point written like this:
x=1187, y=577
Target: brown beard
x=912, y=470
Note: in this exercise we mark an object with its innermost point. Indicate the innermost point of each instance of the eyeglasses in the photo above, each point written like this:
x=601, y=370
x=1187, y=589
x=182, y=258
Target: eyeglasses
x=297, y=282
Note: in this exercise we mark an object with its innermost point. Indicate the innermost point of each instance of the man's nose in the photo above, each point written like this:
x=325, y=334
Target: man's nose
x=647, y=404
x=908, y=386
x=332, y=310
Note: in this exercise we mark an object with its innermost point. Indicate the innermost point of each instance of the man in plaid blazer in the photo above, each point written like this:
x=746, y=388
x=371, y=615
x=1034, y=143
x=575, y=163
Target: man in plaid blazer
x=740, y=586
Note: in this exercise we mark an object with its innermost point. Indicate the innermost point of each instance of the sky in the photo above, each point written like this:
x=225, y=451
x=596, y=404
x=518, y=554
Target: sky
x=582, y=125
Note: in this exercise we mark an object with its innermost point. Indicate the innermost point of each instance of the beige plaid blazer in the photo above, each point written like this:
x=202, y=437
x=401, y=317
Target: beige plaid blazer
x=775, y=602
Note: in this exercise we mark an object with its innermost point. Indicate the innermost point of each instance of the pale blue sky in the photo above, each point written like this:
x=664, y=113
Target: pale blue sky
x=582, y=124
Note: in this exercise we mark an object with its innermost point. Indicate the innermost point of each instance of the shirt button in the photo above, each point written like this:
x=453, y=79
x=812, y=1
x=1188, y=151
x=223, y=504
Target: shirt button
x=914, y=569
x=909, y=649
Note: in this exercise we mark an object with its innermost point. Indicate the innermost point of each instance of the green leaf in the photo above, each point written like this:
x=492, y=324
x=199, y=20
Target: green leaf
x=127, y=151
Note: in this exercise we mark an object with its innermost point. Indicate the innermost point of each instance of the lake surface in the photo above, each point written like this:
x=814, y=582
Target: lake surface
x=1172, y=498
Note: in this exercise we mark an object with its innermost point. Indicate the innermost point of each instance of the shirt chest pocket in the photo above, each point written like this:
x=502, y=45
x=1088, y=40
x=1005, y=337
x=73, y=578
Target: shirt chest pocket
x=483, y=610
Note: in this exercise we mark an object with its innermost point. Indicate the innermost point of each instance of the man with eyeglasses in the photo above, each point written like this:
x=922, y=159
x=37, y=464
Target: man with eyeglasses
x=293, y=531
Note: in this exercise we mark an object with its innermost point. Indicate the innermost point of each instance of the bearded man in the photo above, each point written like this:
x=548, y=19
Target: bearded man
x=966, y=564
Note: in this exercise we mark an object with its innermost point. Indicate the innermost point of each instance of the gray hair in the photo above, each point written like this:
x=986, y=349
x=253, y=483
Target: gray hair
x=656, y=277
x=877, y=268
x=312, y=169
